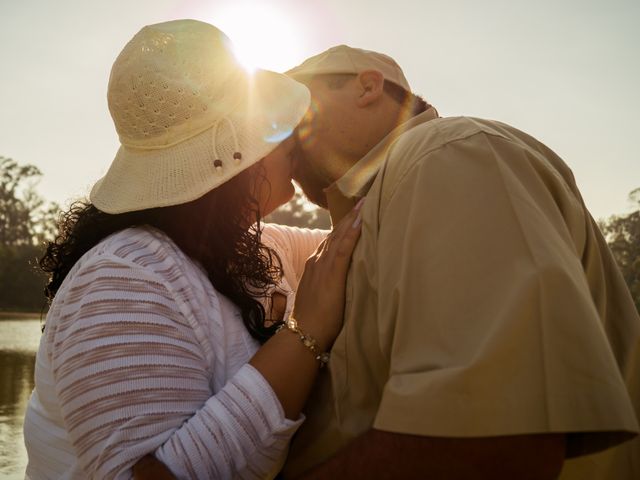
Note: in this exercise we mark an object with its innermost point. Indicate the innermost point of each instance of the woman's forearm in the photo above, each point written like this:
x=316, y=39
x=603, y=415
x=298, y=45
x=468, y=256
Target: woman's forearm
x=290, y=368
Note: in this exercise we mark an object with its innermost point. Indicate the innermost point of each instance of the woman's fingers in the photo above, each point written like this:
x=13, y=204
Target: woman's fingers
x=326, y=272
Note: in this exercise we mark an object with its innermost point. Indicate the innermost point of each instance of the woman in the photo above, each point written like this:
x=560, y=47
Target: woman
x=155, y=341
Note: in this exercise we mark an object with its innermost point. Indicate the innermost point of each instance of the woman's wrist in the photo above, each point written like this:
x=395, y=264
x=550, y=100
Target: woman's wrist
x=317, y=346
x=318, y=329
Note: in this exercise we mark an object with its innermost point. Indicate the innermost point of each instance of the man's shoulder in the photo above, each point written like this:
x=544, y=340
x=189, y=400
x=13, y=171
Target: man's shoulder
x=447, y=145
x=470, y=136
x=437, y=133
x=430, y=140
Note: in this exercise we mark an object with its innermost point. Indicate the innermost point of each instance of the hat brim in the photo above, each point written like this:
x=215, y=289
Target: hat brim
x=140, y=179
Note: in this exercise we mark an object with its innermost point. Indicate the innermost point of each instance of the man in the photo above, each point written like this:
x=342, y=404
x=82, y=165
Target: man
x=488, y=332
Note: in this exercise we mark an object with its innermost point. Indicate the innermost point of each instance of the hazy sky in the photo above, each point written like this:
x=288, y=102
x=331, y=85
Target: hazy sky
x=565, y=71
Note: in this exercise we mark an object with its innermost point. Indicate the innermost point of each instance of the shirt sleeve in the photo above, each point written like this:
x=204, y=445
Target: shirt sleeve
x=484, y=309
x=132, y=379
x=293, y=246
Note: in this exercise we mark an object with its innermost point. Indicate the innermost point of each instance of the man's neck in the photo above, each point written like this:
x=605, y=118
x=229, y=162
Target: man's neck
x=345, y=192
x=339, y=205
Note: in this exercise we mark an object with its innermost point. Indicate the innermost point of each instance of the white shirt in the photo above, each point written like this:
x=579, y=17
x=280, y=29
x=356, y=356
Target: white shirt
x=141, y=354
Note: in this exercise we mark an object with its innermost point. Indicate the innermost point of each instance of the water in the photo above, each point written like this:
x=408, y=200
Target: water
x=19, y=341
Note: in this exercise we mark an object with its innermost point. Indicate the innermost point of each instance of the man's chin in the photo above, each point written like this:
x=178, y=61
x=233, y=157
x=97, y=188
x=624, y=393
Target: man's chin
x=311, y=180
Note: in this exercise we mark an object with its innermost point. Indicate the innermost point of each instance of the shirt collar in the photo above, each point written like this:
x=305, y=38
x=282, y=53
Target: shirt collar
x=343, y=194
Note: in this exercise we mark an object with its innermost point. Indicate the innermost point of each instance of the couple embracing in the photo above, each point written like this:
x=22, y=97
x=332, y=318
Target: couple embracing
x=468, y=313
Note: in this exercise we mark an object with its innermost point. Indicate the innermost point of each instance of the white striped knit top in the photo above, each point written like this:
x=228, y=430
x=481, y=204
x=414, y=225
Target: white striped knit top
x=140, y=354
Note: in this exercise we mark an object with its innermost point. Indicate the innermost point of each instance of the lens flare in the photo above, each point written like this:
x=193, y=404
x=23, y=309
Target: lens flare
x=279, y=133
x=305, y=129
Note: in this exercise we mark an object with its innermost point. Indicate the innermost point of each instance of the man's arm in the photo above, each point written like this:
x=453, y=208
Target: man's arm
x=385, y=455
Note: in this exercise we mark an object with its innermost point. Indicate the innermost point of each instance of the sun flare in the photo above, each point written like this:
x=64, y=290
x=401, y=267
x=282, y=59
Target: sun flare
x=263, y=36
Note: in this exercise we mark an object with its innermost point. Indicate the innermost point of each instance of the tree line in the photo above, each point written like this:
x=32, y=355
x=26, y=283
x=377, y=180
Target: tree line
x=27, y=222
x=623, y=236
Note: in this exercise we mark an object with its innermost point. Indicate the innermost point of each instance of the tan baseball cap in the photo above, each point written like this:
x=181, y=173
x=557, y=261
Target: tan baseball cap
x=345, y=59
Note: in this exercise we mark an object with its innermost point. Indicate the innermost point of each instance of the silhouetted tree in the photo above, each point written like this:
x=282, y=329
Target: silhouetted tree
x=16, y=201
x=26, y=221
x=623, y=236
x=25, y=218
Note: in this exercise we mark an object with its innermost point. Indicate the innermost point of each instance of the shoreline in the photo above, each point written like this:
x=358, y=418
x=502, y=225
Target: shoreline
x=21, y=315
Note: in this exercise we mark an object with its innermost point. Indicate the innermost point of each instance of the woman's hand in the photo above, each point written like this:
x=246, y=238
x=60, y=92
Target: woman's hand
x=284, y=361
x=319, y=305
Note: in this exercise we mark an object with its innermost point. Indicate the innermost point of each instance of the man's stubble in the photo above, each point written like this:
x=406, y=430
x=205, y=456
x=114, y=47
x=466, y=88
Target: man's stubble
x=310, y=177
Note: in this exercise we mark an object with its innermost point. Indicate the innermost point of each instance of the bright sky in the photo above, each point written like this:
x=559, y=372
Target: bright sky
x=565, y=71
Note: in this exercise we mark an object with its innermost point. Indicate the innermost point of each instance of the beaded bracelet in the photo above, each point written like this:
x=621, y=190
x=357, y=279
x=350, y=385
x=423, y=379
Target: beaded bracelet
x=292, y=325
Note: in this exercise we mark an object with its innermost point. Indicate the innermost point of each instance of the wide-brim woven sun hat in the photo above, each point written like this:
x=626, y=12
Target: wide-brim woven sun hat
x=189, y=117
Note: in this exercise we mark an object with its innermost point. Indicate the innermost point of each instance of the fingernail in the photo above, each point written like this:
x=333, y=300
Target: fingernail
x=357, y=221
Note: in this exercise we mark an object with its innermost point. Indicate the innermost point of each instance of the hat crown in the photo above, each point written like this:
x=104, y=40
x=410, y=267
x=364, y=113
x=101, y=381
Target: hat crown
x=346, y=59
x=172, y=81
x=189, y=116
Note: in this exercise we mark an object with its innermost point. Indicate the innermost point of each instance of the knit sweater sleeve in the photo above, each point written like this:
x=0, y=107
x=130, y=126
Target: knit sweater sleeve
x=132, y=378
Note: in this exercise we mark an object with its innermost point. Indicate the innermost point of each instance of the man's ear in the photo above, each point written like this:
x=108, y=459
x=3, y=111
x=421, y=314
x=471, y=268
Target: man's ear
x=371, y=84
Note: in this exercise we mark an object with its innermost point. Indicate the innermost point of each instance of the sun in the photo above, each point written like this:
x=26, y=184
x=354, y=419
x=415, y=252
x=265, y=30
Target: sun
x=263, y=36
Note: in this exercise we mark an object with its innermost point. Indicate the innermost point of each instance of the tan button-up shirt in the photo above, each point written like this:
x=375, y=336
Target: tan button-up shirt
x=482, y=300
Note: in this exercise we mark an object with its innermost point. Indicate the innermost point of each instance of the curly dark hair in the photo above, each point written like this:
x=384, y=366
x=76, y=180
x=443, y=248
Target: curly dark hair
x=212, y=230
